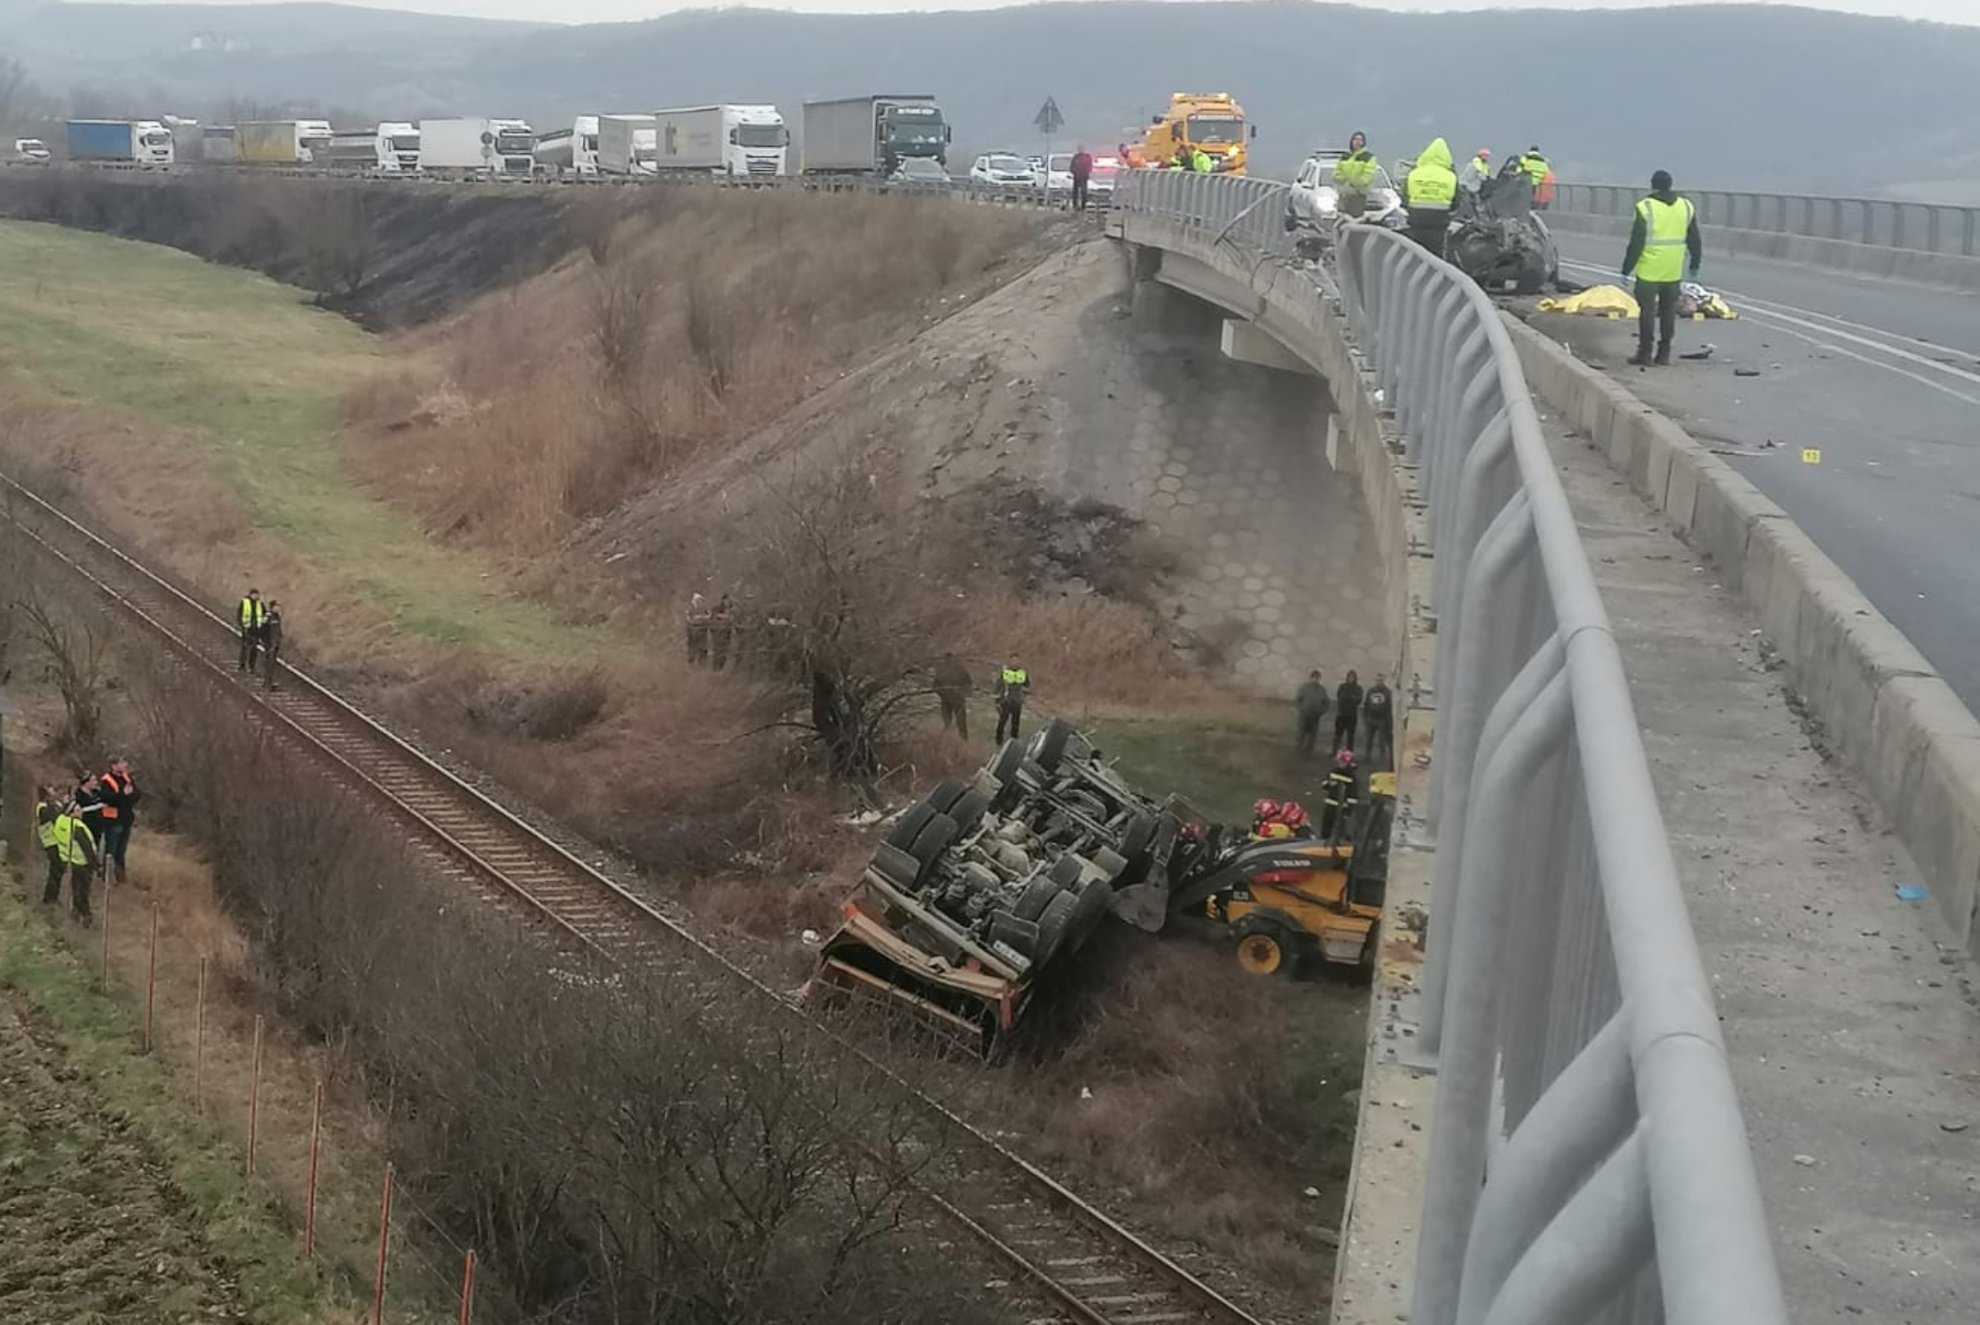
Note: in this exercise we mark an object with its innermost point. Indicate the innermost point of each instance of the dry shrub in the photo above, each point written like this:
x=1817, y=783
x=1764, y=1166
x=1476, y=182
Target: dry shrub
x=688, y=323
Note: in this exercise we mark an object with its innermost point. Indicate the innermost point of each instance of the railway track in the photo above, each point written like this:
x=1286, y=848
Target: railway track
x=1068, y=1261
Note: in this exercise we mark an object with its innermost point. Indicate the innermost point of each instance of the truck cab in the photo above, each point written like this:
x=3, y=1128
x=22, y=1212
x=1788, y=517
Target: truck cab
x=584, y=145
x=515, y=147
x=398, y=148
x=757, y=142
x=1210, y=122
x=912, y=128
x=151, y=143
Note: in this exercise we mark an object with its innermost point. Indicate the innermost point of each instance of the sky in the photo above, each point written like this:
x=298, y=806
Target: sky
x=600, y=11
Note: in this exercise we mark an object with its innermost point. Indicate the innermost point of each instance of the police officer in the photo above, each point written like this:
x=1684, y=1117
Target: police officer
x=1536, y=169
x=1429, y=193
x=250, y=617
x=1663, y=235
x=1013, y=684
x=46, y=811
x=1200, y=162
x=1354, y=175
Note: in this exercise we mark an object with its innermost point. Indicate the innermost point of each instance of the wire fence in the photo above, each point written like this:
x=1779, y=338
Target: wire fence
x=1587, y=1158
x=1923, y=227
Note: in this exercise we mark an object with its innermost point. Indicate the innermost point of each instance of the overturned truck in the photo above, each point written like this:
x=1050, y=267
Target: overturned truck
x=985, y=886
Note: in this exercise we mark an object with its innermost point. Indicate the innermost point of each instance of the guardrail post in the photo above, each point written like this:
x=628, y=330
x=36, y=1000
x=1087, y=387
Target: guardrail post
x=1897, y=225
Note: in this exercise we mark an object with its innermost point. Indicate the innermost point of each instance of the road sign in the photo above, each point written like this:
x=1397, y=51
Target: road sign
x=1049, y=121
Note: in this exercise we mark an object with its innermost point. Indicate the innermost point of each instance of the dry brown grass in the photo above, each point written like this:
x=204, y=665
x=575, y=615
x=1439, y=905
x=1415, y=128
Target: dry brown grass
x=581, y=385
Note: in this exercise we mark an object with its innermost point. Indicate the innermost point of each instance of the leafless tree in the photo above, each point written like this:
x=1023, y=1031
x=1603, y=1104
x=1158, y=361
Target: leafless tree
x=337, y=241
x=75, y=649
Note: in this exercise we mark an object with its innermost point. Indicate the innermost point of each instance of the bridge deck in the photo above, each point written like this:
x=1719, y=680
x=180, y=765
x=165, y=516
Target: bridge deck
x=1852, y=1020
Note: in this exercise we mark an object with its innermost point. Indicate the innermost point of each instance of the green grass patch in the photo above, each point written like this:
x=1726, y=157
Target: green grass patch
x=1221, y=763
x=244, y=366
x=132, y=1094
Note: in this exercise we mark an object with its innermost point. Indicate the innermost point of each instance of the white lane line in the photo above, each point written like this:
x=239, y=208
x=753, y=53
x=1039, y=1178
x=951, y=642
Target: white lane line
x=1782, y=322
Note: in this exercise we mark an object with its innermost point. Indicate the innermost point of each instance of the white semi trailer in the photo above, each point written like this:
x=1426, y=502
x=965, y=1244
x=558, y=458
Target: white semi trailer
x=740, y=142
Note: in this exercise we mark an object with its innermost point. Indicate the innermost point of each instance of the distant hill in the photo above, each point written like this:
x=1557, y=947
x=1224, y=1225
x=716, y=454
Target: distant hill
x=1754, y=96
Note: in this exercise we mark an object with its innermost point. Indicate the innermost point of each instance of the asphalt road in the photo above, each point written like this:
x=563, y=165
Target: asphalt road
x=1881, y=378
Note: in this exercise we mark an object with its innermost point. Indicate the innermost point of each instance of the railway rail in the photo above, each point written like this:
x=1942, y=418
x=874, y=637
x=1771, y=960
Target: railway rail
x=1070, y=1262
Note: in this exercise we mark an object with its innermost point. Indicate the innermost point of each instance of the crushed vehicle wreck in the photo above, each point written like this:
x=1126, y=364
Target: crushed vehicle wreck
x=983, y=887
x=1498, y=240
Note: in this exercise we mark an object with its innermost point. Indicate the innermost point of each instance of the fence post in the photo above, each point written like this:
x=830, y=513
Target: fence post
x=309, y=1196
x=254, y=1096
x=199, y=1043
x=151, y=979
x=384, y=1243
x=467, y=1289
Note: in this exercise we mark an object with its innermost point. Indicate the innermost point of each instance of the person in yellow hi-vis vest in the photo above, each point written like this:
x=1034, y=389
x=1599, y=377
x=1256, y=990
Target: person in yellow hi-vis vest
x=46, y=810
x=1013, y=684
x=250, y=616
x=1664, y=235
x=1429, y=192
x=76, y=845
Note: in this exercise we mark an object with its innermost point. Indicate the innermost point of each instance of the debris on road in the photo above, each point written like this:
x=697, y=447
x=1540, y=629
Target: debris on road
x=1702, y=353
x=1746, y=372
x=1912, y=892
x=1695, y=301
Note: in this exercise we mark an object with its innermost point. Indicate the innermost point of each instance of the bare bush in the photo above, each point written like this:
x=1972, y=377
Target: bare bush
x=620, y=1145
x=338, y=246
x=75, y=651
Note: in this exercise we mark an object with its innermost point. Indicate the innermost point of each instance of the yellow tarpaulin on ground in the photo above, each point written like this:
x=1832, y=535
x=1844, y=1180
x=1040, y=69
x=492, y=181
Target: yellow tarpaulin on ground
x=1595, y=301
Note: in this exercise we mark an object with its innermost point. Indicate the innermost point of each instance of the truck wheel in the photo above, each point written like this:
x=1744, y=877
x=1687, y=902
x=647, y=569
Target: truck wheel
x=909, y=826
x=1054, y=923
x=1037, y=894
x=945, y=795
x=968, y=810
x=1052, y=745
x=932, y=842
x=1264, y=947
x=1066, y=872
x=1135, y=842
x=1020, y=935
x=1004, y=768
x=896, y=867
x=1094, y=904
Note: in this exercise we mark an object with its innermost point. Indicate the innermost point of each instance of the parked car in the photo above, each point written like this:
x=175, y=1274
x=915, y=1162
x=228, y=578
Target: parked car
x=922, y=170
x=1058, y=174
x=1313, y=201
x=1004, y=170
x=32, y=151
x=1106, y=169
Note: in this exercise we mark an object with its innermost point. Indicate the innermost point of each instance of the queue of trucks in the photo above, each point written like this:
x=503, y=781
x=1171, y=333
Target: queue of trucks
x=877, y=136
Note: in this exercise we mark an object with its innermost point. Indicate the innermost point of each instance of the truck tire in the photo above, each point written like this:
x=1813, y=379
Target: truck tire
x=1004, y=769
x=1052, y=745
x=945, y=795
x=1036, y=896
x=909, y=825
x=896, y=867
x=1054, y=923
x=1020, y=935
x=1066, y=872
x=968, y=810
x=1094, y=904
x=933, y=841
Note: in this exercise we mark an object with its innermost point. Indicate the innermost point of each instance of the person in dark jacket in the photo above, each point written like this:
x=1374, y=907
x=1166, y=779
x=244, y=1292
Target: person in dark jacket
x=952, y=687
x=271, y=644
x=1082, y=171
x=119, y=795
x=1661, y=239
x=1309, y=707
x=1347, y=708
x=46, y=810
x=87, y=800
x=1378, y=712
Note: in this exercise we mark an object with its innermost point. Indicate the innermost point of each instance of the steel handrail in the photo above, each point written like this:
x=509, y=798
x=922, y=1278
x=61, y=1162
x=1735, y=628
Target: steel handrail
x=1543, y=807
x=1895, y=223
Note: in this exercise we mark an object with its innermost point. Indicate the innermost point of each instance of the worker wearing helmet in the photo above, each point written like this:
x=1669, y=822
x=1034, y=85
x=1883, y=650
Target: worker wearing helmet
x=1476, y=171
x=1268, y=822
x=1340, y=797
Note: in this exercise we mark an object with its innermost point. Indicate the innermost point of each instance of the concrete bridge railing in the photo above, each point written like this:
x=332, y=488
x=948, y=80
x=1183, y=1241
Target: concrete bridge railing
x=1926, y=227
x=1587, y=1158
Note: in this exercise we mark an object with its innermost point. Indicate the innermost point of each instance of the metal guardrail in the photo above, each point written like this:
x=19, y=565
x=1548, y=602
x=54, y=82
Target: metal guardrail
x=1923, y=227
x=1587, y=1157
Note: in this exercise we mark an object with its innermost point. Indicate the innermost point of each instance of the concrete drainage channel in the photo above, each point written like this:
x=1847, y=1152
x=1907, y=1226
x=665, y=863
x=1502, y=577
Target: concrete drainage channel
x=1889, y=712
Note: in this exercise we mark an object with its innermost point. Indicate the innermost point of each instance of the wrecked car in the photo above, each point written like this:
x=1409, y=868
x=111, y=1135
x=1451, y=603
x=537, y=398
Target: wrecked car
x=985, y=886
x=1498, y=240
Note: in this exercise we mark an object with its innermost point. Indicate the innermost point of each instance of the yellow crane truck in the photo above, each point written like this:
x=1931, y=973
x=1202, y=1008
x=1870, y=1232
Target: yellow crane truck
x=1210, y=122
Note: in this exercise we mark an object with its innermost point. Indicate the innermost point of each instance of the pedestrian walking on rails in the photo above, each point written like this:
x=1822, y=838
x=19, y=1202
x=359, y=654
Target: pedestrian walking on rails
x=1082, y=171
x=1347, y=708
x=119, y=795
x=1378, y=714
x=1429, y=192
x=1013, y=684
x=1309, y=707
x=46, y=810
x=952, y=687
x=699, y=616
x=271, y=644
x=250, y=617
x=76, y=845
x=1663, y=235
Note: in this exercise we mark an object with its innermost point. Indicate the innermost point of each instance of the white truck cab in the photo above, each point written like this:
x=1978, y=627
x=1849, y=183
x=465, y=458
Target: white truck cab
x=757, y=142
